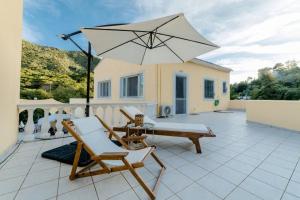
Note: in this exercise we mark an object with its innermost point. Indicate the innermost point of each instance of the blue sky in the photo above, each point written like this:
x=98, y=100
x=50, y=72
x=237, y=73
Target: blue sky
x=252, y=33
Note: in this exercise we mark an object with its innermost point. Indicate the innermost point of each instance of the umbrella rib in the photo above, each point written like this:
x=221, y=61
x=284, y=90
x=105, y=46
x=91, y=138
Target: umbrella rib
x=108, y=29
x=145, y=51
x=181, y=38
x=138, y=44
x=120, y=45
x=170, y=49
x=159, y=45
x=140, y=38
x=163, y=24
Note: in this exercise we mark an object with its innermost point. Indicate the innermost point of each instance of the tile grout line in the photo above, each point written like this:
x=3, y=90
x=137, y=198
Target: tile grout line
x=195, y=181
x=58, y=181
x=130, y=187
x=27, y=173
x=95, y=187
x=222, y=164
x=10, y=156
x=289, y=179
x=254, y=170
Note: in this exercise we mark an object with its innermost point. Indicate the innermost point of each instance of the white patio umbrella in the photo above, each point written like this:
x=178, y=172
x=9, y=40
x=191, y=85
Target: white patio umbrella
x=170, y=39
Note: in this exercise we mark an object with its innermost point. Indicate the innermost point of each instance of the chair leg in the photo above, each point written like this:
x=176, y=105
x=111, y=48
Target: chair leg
x=139, y=179
x=197, y=144
x=153, y=154
x=76, y=160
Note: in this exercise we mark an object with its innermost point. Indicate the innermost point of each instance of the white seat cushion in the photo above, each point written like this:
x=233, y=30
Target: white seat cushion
x=132, y=111
x=94, y=136
x=181, y=127
x=168, y=126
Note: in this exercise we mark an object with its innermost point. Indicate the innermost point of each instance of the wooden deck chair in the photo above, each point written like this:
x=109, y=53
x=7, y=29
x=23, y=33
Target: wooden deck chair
x=191, y=131
x=90, y=134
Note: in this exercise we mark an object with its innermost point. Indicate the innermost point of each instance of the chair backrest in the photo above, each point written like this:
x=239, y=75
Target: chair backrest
x=92, y=133
x=132, y=111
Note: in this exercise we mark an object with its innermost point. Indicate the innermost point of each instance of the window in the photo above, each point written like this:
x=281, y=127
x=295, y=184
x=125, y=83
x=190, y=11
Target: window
x=132, y=86
x=209, y=89
x=224, y=86
x=104, y=89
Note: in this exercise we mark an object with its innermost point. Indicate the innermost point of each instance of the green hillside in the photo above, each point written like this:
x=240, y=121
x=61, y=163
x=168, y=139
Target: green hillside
x=49, y=72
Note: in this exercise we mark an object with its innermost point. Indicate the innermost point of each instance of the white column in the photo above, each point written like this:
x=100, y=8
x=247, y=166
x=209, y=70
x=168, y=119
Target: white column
x=59, y=119
x=104, y=112
x=71, y=112
x=92, y=110
x=113, y=115
x=29, y=127
x=121, y=117
x=45, y=124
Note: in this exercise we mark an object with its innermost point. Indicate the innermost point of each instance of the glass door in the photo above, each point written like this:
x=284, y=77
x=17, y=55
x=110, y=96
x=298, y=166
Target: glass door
x=180, y=95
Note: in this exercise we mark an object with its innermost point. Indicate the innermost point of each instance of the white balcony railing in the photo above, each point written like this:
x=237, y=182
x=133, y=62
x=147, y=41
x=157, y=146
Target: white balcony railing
x=60, y=111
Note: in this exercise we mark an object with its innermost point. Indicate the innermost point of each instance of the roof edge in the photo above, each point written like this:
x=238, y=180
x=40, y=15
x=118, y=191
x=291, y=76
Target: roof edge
x=210, y=65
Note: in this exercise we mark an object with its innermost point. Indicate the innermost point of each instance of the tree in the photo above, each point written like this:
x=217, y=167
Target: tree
x=272, y=90
x=34, y=93
x=292, y=94
x=278, y=83
x=63, y=94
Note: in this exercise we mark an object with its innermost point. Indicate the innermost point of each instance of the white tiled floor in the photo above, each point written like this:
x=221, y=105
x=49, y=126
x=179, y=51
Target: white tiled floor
x=244, y=162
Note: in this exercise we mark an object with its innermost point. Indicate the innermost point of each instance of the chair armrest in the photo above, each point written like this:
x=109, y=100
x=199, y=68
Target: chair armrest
x=120, y=129
x=112, y=155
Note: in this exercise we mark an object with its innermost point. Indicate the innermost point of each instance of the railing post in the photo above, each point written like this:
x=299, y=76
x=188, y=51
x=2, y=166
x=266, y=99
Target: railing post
x=45, y=124
x=112, y=115
x=104, y=112
x=121, y=117
x=59, y=119
x=29, y=127
x=72, y=111
x=92, y=110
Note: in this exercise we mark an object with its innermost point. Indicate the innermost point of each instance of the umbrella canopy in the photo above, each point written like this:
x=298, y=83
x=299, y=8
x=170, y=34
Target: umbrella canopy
x=170, y=39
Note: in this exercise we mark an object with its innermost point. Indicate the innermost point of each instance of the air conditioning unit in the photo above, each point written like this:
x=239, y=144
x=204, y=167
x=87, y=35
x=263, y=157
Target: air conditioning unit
x=165, y=110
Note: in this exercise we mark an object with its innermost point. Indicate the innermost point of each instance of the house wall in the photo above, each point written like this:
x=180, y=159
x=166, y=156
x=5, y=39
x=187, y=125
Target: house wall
x=237, y=104
x=10, y=63
x=284, y=114
x=195, y=78
x=159, y=83
x=112, y=70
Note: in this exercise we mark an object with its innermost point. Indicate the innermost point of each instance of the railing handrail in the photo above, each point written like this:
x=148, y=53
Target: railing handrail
x=106, y=110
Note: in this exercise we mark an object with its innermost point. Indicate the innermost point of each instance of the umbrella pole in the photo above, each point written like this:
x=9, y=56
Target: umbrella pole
x=87, y=108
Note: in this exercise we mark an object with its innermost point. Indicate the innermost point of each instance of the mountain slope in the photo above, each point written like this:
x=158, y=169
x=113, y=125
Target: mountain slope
x=48, y=72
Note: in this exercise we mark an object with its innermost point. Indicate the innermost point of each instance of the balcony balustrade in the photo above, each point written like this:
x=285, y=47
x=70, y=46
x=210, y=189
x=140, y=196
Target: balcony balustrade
x=54, y=114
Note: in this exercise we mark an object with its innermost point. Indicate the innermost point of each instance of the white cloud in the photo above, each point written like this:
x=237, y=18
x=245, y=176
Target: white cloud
x=246, y=67
x=266, y=29
x=31, y=33
x=252, y=34
x=287, y=48
x=48, y=6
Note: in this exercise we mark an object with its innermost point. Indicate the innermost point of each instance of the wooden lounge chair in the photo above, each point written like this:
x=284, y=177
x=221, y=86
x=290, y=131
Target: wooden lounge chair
x=191, y=131
x=90, y=135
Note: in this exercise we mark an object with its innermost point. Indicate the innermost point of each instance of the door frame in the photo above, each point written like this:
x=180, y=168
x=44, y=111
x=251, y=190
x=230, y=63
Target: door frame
x=181, y=74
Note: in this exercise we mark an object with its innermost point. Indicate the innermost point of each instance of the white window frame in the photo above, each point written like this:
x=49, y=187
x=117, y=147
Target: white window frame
x=214, y=89
x=141, y=91
x=99, y=87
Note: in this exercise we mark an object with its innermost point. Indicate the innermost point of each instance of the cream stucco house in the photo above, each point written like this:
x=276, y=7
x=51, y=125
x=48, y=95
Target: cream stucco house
x=10, y=67
x=189, y=87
